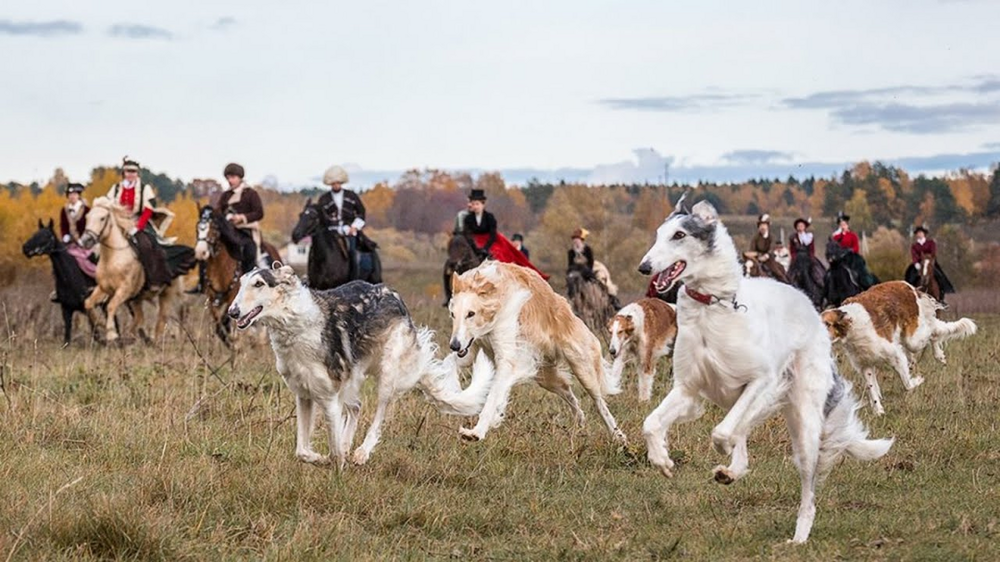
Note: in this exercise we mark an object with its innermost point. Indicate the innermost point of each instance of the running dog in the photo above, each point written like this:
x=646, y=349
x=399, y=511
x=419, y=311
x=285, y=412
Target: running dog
x=891, y=323
x=753, y=347
x=530, y=332
x=643, y=331
x=326, y=342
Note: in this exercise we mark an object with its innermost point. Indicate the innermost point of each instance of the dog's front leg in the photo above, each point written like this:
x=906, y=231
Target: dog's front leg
x=874, y=392
x=757, y=397
x=496, y=401
x=303, y=438
x=334, y=411
x=679, y=406
x=738, y=465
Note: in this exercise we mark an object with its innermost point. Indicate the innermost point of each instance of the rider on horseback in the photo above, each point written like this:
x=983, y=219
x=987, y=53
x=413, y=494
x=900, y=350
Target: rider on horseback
x=132, y=194
x=924, y=246
x=806, y=271
x=480, y=229
x=580, y=258
x=346, y=215
x=241, y=206
x=72, y=223
x=845, y=249
x=760, y=247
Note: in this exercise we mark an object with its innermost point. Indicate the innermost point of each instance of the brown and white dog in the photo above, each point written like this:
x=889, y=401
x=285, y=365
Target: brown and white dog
x=891, y=323
x=643, y=331
x=530, y=332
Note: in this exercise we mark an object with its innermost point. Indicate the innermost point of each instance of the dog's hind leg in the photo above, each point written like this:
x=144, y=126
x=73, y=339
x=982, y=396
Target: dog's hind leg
x=364, y=451
x=901, y=364
x=555, y=381
x=679, y=406
x=589, y=373
x=303, y=437
x=804, y=416
x=874, y=392
x=738, y=466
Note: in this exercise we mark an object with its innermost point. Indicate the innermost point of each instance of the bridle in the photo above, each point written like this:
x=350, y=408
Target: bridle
x=99, y=235
x=210, y=236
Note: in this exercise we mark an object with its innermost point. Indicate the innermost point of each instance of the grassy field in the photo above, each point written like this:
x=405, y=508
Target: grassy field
x=182, y=451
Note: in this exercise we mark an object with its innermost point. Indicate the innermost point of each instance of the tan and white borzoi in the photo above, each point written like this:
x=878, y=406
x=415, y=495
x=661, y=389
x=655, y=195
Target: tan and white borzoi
x=891, y=323
x=642, y=332
x=530, y=332
x=326, y=342
x=753, y=347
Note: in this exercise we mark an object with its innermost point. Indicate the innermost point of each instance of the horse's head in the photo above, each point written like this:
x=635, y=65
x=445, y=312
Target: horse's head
x=43, y=242
x=310, y=219
x=926, y=271
x=207, y=232
x=103, y=218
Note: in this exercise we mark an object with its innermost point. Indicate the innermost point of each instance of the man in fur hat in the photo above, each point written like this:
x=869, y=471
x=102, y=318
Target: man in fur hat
x=761, y=247
x=242, y=208
x=345, y=213
x=140, y=198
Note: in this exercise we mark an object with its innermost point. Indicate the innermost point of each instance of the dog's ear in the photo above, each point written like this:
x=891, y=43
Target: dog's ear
x=456, y=283
x=836, y=321
x=486, y=288
x=611, y=322
x=706, y=212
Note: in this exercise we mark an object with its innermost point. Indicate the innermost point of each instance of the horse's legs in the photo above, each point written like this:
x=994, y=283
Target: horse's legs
x=166, y=302
x=97, y=296
x=138, y=320
x=447, y=284
x=67, y=314
x=117, y=300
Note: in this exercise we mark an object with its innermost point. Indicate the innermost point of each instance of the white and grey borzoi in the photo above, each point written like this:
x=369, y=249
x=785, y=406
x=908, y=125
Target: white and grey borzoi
x=753, y=347
x=325, y=342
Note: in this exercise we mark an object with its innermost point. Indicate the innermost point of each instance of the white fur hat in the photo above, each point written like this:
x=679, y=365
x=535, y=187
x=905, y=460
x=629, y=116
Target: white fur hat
x=335, y=174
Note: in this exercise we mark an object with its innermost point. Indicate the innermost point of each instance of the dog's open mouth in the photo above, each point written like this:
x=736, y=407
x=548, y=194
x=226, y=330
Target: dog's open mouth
x=666, y=278
x=465, y=351
x=247, y=319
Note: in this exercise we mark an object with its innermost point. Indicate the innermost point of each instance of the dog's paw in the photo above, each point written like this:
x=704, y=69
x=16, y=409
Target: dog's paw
x=915, y=382
x=469, y=434
x=312, y=457
x=723, y=475
x=665, y=470
x=360, y=456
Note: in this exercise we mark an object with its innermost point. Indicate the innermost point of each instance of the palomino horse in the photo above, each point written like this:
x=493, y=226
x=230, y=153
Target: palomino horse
x=222, y=268
x=329, y=263
x=120, y=277
x=461, y=258
x=72, y=286
x=928, y=281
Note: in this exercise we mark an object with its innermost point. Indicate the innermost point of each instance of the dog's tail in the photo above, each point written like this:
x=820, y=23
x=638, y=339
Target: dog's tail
x=442, y=387
x=843, y=431
x=962, y=328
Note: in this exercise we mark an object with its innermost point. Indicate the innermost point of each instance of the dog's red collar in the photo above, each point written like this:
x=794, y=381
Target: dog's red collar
x=710, y=299
x=700, y=297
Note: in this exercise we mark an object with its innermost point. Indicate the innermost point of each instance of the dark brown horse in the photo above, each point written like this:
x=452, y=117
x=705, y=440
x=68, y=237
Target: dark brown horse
x=222, y=267
x=461, y=258
x=329, y=260
x=928, y=281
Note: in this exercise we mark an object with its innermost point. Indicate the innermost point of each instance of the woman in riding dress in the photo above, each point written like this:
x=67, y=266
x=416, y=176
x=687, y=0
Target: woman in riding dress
x=72, y=222
x=923, y=245
x=848, y=251
x=140, y=200
x=761, y=246
x=480, y=228
x=806, y=271
x=580, y=257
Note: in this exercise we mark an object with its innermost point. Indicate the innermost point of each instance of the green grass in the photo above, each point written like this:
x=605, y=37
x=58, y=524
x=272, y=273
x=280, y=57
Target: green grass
x=158, y=480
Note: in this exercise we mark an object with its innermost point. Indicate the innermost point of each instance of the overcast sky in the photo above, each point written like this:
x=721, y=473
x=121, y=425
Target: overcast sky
x=599, y=91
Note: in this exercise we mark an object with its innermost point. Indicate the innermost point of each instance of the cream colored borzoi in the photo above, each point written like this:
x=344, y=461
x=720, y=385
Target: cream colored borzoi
x=753, y=347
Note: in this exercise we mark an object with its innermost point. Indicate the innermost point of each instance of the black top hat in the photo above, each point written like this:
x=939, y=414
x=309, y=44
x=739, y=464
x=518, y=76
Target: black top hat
x=74, y=188
x=477, y=195
x=517, y=236
x=841, y=216
x=801, y=220
x=921, y=228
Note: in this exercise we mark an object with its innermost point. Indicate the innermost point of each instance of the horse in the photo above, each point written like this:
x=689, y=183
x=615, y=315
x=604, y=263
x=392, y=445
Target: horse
x=72, y=285
x=753, y=267
x=461, y=258
x=216, y=246
x=329, y=260
x=591, y=300
x=841, y=281
x=120, y=277
x=807, y=274
x=928, y=281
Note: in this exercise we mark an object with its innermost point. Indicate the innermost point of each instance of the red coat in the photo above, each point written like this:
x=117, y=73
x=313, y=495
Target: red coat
x=503, y=250
x=917, y=249
x=848, y=240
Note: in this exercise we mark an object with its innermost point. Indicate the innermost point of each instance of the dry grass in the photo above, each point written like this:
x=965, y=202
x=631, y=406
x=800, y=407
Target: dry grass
x=156, y=483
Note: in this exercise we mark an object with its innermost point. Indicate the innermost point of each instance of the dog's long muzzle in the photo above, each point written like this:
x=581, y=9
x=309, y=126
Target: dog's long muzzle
x=234, y=311
x=645, y=268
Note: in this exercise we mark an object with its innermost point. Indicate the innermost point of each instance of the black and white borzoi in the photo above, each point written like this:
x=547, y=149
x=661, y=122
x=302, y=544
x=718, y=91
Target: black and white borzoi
x=753, y=347
x=326, y=342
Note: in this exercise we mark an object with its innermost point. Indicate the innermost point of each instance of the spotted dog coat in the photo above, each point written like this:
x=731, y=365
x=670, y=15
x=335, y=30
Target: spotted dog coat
x=326, y=342
x=891, y=323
